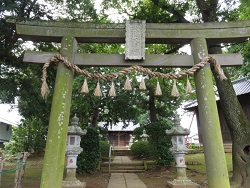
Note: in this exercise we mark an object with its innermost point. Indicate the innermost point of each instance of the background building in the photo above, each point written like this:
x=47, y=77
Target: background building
x=242, y=90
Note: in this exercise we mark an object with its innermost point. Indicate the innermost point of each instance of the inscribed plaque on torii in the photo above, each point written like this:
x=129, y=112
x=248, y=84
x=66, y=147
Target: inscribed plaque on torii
x=135, y=40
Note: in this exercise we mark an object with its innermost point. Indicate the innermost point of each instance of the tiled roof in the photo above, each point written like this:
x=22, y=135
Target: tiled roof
x=241, y=86
x=120, y=126
x=5, y=121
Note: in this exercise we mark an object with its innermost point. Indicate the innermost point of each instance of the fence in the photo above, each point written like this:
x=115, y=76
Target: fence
x=19, y=170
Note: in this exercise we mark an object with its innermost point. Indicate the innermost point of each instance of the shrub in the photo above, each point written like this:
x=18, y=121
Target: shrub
x=137, y=133
x=88, y=160
x=194, y=146
x=160, y=142
x=29, y=136
x=104, y=148
x=141, y=149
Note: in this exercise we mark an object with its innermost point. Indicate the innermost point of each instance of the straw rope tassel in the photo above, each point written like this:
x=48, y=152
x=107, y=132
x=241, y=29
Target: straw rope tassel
x=98, y=92
x=127, y=85
x=142, y=85
x=112, y=90
x=45, y=87
x=85, y=88
x=188, y=87
x=175, y=92
x=158, y=89
x=45, y=90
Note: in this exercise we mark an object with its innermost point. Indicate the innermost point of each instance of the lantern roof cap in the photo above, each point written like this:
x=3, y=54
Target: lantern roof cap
x=74, y=120
x=73, y=129
x=177, y=129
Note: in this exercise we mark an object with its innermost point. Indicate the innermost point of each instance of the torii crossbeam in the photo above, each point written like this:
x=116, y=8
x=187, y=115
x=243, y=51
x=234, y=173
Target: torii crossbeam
x=198, y=35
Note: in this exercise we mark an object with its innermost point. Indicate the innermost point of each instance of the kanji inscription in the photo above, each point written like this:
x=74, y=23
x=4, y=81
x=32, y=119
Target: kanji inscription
x=135, y=40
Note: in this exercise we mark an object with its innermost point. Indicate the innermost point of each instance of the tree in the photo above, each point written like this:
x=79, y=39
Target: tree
x=211, y=11
x=111, y=110
x=29, y=136
x=159, y=107
x=17, y=78
x=26, y=76
x=22, y=80
x=235, y=117
x=242, y=13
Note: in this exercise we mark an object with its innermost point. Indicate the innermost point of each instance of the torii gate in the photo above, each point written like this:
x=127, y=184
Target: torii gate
x=195, y=34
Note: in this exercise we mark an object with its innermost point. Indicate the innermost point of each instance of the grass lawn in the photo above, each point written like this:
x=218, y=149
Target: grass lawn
x=196, y=171
x=32, y=174
x=197, y=162
x=155, y=178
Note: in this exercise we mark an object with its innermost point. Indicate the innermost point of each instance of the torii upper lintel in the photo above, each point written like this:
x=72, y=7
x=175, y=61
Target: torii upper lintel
x=156, y=33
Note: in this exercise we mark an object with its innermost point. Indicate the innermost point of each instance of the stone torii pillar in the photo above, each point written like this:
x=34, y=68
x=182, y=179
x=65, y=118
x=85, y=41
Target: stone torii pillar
x=54, y=158
x=217, y=173
x=47, y=31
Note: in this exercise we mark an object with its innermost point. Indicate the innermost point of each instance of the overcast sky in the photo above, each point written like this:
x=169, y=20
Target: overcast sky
x=9, y=115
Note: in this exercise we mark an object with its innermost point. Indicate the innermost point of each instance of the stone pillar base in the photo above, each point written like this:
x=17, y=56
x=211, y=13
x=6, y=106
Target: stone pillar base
x=74, y=184
x=182, y=184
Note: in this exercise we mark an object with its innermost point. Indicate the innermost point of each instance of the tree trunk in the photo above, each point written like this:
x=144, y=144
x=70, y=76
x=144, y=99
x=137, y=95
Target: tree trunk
x=208, y=10
x=152, y=109
x=95, y=116
x=239, y=127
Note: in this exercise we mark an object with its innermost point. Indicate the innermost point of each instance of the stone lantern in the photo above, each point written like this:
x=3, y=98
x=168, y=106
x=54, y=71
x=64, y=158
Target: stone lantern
x=144, y=135
x=131, y=140
x=73, y=149
x=179, y=150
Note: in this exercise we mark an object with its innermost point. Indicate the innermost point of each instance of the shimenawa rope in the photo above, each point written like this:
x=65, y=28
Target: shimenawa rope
x=58, y=58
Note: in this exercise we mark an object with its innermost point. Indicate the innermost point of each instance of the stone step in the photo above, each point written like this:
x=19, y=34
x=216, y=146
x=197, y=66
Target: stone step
x=134, y=163
x=123, y=171
x=123, y=168
x=122, y=152
x=122, y=164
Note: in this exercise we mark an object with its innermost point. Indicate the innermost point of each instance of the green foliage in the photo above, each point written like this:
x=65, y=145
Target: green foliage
x=141, y=149
x=137, y=133
x=160, y=142
x=13, y=147
x=103, y=133
x=174, y=12
x=20, y=79
x=122, y=108
x=194, y=146
x=244, y=10
x=28, y=136
x=87, y=11
x=104, y=148
x=88, y=160
x=243, y=48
